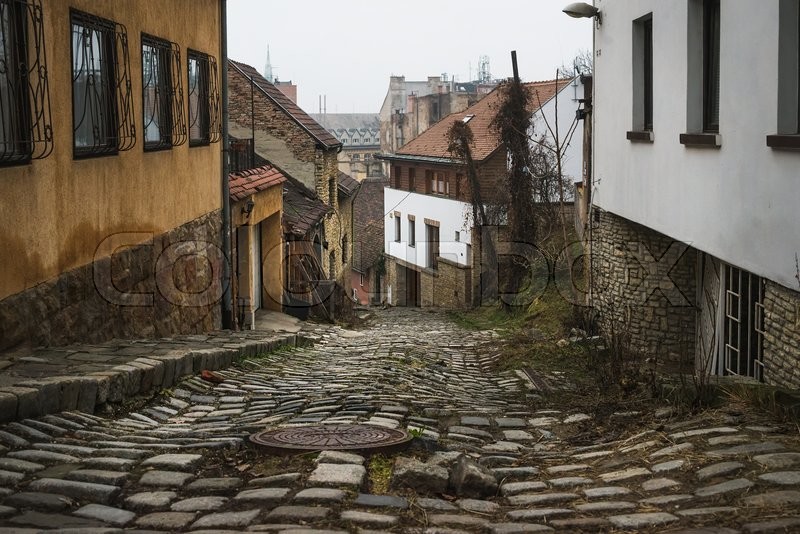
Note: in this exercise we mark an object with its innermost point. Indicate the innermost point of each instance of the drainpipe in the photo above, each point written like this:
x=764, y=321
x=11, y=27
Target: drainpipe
x=227, y=298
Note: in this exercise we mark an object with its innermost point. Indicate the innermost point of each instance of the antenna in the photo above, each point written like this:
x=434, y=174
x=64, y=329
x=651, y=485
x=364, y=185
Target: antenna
x=484, y=72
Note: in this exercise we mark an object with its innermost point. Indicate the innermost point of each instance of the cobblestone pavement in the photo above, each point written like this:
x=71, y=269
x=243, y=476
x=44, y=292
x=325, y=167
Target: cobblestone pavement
x=183, y=463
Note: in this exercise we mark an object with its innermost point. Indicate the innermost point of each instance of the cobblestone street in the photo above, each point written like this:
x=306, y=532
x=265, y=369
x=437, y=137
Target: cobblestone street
x=183, y=461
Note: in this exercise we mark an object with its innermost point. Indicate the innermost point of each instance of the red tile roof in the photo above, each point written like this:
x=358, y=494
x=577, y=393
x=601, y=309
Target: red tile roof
x=302, y=209
x=246, y=183
x=433, y=141
x=293, y=110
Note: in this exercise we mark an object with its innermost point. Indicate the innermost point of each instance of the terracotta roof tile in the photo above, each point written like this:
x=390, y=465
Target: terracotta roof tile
x=433, y=141
x=246, y=183
x=293, y=110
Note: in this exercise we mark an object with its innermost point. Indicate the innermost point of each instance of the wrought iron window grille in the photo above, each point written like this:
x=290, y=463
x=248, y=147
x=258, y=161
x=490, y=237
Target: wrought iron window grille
x=204, y=99
x=26, y=130
x=162, y=94
x=102, y=102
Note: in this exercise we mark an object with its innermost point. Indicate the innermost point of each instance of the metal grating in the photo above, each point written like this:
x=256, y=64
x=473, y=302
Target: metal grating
x=331, y=437
x=743, y=332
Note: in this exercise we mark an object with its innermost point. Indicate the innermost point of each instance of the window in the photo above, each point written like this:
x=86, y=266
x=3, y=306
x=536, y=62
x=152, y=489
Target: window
x=162, y=95
x=361, y=279
x=25, y=128
x=396, y=176
x=356, y=157
x=711, y=12
x=642, y=126
x=788, y=127
x=743, y=324
x=432, y=237
x=412, y=231
x=412, y=179
x=458, y=236
x=203, y=99
x=439, y=184
x=396, y=228
x=703, y=75
x=344, y=250
x=102, y=106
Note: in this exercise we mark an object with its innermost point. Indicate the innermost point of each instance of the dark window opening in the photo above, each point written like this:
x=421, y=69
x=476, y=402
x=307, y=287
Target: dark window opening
x=344, y=250
x=396, y=228
x=162, y=94
x=711, y=51
x=102, y=105
x=396, y=176
x=433, y=245
x=412, y=179
x=412, y=233
x=199, y=76
x=647, y=27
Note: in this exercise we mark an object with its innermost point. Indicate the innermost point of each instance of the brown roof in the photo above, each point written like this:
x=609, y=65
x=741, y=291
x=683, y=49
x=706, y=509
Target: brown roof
x=347, y=184
x=433, y=141
x=246, y=183
x=293, y=110
x=368, y=223
x=302, y=209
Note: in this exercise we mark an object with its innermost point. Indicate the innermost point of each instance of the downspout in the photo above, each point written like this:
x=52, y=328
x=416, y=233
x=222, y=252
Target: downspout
x=227, y=297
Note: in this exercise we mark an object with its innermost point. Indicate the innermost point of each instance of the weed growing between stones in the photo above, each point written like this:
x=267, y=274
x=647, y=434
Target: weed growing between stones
x=379, y=471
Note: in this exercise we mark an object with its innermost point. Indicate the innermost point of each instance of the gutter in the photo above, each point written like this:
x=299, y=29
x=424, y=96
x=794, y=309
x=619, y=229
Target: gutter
x=227, y=297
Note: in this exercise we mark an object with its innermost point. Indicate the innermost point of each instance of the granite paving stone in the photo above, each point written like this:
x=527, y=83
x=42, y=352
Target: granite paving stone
x=106, y=514
x=182, y=462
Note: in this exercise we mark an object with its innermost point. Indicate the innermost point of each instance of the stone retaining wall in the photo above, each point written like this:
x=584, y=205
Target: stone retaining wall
x=644, y=287
x=168, y=284
x=781, y=336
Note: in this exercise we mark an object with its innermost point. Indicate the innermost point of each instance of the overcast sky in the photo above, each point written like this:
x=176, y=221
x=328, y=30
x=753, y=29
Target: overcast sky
x=348, y=49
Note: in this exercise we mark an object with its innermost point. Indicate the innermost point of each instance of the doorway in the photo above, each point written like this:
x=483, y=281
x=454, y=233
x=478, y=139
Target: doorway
x=412, y=287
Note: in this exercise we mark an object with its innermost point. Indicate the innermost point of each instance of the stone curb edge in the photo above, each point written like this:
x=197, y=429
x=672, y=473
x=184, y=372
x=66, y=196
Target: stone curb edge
x=141, y=376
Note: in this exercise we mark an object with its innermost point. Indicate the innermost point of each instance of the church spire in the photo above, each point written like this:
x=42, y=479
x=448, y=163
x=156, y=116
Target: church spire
x=268, y=68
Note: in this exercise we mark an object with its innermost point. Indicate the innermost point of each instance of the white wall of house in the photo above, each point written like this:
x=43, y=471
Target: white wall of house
x=739, y=202
x=453, y=216
x=564, y=109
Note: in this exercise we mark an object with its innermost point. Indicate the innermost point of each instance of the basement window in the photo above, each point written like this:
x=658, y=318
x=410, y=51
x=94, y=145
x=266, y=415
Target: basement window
x=742, y=344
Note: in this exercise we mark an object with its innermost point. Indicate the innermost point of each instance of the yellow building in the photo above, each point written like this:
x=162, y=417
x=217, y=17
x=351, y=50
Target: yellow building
x=111, y=205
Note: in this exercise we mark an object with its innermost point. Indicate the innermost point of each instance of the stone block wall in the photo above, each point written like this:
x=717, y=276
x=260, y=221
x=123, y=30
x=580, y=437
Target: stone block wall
x=168, y=285
x=452, y=288
x=644, y=287
x=781, y=336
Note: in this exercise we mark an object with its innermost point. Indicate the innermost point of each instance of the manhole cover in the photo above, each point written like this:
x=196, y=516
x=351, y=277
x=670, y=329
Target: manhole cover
x=331, y=437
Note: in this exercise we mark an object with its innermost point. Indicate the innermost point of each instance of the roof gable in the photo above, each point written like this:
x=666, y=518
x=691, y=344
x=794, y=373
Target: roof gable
x=432, y=143
x=315, y=129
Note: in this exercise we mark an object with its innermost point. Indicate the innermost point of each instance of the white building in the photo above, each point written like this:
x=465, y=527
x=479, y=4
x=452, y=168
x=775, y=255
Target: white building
x=696, y=185
x=428, y=205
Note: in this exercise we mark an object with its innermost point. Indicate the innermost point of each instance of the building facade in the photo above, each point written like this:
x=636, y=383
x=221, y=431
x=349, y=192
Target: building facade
x=411, y=107
x=695, y=190
x=111, y=211
x=359, y=134
x=432, y=255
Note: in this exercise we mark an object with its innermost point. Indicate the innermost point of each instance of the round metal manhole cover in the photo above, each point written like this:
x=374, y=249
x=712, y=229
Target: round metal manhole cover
x=331, y=437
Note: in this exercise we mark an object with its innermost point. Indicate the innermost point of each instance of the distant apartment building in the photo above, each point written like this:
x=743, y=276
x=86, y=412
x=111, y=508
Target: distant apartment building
x=411, y=107
x=430, y=257
x=696, y=186
x=359, y=134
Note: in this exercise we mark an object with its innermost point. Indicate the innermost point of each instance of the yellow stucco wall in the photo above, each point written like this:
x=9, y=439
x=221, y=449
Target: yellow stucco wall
x=55, y=212
x=267, y=206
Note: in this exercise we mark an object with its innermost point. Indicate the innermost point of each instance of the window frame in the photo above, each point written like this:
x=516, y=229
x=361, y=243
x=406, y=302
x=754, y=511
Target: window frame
x=711, y=65
x=203, y=112
x=397, y=230
x=162, y=88
x=412, y=231
x=17, y=95
x=787, y=136
x=432, y=238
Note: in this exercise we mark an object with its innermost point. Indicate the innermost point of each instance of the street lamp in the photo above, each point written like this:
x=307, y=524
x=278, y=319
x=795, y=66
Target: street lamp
x=582, y=10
